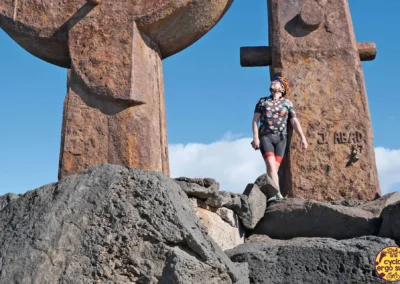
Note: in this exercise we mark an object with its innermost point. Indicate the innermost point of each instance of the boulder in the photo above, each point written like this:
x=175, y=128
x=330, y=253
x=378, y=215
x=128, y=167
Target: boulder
x=240, y=205
x=257, y=239
x=311, y=260
x=243, y=272
x=109, y=224
x=228, y=216
x=267, y=185
x=220, y=199
x=202, y=188
x=348, y=203
x=290, y=218
x=257, y=204
x=7, y=199
x=376, y=206
x=249, y=206
x=223, y=233
x=222, y=224
x=390, y=227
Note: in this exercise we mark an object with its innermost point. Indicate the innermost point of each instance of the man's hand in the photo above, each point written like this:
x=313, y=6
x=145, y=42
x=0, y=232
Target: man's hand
x=304, y=144
x=256, y=143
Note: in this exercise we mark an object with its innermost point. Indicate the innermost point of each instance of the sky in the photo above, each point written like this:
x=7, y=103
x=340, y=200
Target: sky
x=210, y=101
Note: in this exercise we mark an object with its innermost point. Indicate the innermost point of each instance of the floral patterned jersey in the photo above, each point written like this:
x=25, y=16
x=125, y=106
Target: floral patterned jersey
x=274, y=115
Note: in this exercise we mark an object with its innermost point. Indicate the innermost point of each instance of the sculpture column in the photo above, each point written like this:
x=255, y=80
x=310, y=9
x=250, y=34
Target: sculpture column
x=312, y=44
x=99, y=129
x=114, y=111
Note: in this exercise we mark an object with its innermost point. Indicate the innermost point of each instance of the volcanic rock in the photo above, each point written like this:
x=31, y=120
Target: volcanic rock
x=291, y=218
x=6, y=199
x=376, y=206
x=221, y=198
x=311, y=260
x=391, y=222
x=222, y=224
x=257, y=204
x=267, y=185
x=202, y=188
x=109, y=224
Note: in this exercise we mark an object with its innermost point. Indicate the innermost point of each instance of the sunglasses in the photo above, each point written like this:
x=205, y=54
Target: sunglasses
x=274, y=91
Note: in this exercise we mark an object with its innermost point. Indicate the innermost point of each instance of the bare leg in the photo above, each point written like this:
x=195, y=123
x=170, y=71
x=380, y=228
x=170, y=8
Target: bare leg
x=277, y=165
x=272, y=170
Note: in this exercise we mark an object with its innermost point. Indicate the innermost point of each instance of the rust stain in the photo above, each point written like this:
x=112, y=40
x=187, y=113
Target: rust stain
x=358, y=99
x=68, y=161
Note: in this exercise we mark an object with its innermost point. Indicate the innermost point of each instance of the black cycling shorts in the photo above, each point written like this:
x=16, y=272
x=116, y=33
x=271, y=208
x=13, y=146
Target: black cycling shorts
x=273, y=145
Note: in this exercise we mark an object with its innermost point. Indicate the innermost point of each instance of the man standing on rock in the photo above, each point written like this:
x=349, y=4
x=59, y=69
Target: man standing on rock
x=273, y=113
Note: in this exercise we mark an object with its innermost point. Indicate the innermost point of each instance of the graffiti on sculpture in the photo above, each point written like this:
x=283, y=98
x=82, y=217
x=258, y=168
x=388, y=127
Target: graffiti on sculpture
x=343, y=137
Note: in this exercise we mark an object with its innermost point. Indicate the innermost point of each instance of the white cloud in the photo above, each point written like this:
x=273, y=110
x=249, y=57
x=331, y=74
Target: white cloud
x=234, y=163
x=388, y=164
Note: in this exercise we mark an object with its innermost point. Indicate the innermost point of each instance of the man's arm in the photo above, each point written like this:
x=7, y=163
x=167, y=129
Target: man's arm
x=254, y=125
x=297, y=127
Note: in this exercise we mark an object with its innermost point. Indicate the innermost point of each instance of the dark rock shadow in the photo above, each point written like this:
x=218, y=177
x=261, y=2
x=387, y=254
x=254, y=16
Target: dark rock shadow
x=293, y=27
x=73, y=20
x=107, y=105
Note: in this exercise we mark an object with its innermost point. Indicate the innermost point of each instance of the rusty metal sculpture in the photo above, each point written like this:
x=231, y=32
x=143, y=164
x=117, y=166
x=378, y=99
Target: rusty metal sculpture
x=312, y=43
x=114, y=110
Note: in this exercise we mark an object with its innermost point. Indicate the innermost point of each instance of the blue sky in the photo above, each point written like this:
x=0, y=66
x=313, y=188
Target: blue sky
x=210, y=100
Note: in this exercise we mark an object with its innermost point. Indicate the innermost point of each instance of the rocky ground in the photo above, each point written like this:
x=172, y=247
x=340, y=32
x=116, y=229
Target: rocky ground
x=111, y=224
x=310, y=260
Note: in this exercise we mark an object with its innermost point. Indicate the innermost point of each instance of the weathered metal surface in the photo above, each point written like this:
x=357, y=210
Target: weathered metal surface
x=329, y=93
x=312, y=44
x=258, y=56
x=255, y=56
x=45, y=24
x=367, y=51
x=97, y=131
x=114, y=111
